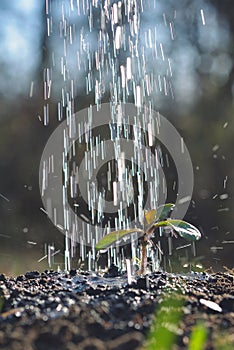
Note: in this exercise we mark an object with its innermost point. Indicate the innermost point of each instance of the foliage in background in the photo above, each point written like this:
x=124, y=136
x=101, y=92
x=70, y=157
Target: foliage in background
x=165, y=327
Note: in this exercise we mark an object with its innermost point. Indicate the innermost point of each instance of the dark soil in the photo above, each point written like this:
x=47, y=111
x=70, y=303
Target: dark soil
x=81, y=310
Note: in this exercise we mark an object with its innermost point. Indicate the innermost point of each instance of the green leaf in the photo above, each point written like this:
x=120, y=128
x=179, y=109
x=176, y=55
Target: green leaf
x=115, y=236
x=164, y=211
x=150, y=216
x=183, y=228
x=161, y=213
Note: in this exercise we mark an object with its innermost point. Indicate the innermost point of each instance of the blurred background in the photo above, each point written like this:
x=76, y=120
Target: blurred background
x=201, y=108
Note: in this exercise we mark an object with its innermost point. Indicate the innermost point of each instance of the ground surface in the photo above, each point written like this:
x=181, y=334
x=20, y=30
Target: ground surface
x=84, y=311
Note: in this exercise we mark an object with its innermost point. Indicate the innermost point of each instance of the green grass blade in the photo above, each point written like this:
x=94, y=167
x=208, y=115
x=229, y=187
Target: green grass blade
x=115, y=236
x=165, y=328
x=198, y=337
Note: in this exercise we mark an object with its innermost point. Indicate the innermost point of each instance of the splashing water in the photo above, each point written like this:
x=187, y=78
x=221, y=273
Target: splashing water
x=117, y=51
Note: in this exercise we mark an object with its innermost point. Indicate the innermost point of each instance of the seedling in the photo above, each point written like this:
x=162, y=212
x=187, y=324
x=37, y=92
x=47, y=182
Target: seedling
x=159, y=217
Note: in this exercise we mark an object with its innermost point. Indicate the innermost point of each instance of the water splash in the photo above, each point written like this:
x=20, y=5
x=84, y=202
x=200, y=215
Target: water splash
x=118, y=51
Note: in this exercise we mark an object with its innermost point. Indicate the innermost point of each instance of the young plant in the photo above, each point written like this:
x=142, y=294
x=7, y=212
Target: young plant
x=159, y=217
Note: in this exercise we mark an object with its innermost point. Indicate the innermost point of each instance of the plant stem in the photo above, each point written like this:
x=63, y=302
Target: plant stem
x=143, y=255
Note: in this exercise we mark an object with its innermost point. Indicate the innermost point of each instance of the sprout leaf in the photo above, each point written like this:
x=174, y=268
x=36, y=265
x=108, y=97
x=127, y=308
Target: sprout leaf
x=164, y=211
x=161, y=213
x=182, y=228
x=115, y=236
x=150, y=216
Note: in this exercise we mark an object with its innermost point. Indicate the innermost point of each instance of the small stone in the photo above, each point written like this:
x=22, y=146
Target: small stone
x=93, y=291
x=20, y=278
x=211, y=305
x=143, y=283
x=73, y=272
x=2, y=277
x=227, y=304
x=32, y=274
x=113, y=271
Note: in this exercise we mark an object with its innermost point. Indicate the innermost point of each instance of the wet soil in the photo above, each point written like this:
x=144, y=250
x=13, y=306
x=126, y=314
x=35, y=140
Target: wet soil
x=85, y=311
